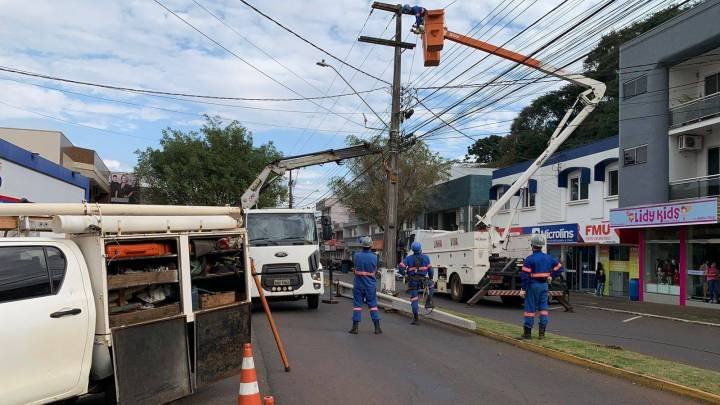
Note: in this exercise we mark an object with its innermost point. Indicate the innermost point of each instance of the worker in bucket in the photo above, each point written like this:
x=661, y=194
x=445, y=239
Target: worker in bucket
x=418, y=270
x=419, y=13
x=364, y=285
x=538, y=270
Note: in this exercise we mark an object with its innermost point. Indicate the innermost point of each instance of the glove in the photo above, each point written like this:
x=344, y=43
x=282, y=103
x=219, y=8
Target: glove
x=522, y=293
x=549, y=279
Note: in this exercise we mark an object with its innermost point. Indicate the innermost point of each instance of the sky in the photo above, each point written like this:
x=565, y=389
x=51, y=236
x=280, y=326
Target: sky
x=233, y=51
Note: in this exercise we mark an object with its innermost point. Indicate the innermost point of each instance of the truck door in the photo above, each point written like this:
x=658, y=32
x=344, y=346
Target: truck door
x=45, y=319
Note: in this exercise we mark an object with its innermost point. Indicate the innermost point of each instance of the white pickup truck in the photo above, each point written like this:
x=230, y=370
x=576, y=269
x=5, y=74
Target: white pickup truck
x=144, y=308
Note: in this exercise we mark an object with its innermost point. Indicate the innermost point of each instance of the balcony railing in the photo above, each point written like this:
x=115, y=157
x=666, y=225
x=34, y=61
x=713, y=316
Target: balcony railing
x=694, y=111
x=707, y=186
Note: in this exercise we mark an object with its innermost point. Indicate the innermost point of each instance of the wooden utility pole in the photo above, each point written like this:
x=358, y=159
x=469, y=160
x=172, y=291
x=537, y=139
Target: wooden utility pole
x=391, y=209
x=290, y=190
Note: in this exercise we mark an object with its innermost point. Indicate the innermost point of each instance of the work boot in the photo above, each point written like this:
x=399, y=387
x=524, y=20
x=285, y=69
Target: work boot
x=354, y=329
x=415, y=320
x=526, y=333
x=542, y=332
x=377, y=327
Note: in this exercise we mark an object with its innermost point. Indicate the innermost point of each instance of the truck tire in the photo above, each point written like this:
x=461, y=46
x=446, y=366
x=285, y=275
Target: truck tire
x=456, y=288
x=313, y=301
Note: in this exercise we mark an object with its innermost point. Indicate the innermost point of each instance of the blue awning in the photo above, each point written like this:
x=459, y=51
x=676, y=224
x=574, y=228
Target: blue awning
x=531, y=186
x=600, y=168
x=563, y=176
x=494, y=190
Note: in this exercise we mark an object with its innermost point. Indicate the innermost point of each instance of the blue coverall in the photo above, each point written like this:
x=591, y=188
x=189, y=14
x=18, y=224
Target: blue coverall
x=364, y=284
x=536, y=269
x=416, y=265
x=419, y=13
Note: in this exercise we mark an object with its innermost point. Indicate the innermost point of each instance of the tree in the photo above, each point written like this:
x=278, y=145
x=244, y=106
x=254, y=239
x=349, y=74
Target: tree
x=533, y=126
x=487, y=150
x=363, y=190
x=211, y=167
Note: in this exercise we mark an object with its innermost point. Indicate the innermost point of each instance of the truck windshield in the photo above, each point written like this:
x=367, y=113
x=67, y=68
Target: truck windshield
x=281, y=229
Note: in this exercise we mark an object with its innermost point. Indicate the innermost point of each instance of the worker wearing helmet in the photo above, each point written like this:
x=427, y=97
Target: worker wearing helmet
x=538, y=270
x=364, y=284
x=417, y=268
x=419, y=13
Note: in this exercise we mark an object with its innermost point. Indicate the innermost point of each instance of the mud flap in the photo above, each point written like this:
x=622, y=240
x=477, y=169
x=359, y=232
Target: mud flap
x=152, y=363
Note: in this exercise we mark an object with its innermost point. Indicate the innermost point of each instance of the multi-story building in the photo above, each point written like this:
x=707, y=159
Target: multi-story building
x=338, y=215
x=669, y=174
x=55, y=147
x=568, y=200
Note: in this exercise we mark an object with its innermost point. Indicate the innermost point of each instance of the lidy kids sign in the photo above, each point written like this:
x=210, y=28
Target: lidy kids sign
x=703, y=211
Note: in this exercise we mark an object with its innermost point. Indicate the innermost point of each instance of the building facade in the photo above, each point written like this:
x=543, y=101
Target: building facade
x=670, y=153
x=55, y=147
x=27, y=177
x=569, y=200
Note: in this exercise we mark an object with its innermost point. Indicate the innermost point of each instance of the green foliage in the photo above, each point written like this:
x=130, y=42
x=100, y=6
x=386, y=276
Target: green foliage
x=363, y=190
x=210, y=167
x=533, y=126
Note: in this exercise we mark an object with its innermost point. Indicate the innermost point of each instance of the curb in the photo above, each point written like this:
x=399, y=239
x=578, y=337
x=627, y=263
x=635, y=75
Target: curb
x=652, y=382
x=650, y=315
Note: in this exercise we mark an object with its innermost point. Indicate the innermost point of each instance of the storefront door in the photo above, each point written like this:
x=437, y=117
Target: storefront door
x=580, y=267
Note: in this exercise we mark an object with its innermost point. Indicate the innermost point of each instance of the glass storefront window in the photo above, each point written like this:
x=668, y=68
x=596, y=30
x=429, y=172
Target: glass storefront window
x=662, y=269
x=699, y=255
x=670, y=233
x=704, y=232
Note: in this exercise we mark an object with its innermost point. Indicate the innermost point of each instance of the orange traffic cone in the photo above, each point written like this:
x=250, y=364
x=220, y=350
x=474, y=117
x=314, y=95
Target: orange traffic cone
x=249, y=391
x=268, y=400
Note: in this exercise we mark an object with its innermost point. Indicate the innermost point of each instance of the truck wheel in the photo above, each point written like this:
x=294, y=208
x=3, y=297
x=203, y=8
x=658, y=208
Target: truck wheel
x=456, y=288
x=313, y=301
x=511, y=301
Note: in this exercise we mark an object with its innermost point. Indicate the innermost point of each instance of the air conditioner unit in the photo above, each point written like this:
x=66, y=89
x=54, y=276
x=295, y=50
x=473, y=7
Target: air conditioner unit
x=689, y=143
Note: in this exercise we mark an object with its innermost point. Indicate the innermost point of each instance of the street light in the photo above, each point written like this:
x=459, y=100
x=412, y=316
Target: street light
x=323, y=64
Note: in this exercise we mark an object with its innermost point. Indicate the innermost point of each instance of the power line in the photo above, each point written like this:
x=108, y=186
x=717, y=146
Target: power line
x=168, y=93
x=310, y=43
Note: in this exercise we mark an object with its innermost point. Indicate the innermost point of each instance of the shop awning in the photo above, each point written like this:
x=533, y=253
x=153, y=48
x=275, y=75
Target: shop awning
x=563, y=175
x=600, y=168
x=531, y=185
x=494, y=190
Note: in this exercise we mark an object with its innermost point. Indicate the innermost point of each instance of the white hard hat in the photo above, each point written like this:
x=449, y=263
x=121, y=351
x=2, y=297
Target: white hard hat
x=537, y=240
x=365, y=241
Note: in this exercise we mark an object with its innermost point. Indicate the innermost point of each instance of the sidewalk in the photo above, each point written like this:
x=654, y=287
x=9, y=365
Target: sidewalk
x=687, y=313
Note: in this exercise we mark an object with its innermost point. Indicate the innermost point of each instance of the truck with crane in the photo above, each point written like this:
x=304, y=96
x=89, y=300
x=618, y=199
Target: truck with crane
x=284, y=242
x=487, y=261
x=145, y=303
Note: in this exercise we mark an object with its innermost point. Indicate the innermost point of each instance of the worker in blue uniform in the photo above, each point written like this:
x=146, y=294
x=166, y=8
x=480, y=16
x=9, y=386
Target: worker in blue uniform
x=364, y=285
x=538, y=270
x=418, y=270
x=419, y=13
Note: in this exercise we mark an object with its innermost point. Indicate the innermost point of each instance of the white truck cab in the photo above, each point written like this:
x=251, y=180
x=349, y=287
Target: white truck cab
x=285, y=246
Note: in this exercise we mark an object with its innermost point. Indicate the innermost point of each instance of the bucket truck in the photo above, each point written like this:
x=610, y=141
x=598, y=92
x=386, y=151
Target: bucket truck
x=284, y=241
x=487, y=261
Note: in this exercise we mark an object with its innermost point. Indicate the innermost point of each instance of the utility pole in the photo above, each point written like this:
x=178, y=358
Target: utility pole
x=391, y=209
x=290, y=190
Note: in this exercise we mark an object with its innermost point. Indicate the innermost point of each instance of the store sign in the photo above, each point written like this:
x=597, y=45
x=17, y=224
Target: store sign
x=599, y=232
x=703, y=211
x=563, y=233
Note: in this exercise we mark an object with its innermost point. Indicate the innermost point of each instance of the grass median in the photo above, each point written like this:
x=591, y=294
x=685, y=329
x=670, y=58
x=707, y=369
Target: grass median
x=678, y=373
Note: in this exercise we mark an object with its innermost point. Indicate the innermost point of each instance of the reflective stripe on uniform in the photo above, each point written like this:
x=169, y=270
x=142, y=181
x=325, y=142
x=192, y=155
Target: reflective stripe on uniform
x=424, y=268
x=546, y=313
x=403, y=264
x=529, y=314
x=357, y=308
x=364, y=273
x=557, y=266
x=374, y=308
x=540, y=275
x=526, y=269
x=414, y=298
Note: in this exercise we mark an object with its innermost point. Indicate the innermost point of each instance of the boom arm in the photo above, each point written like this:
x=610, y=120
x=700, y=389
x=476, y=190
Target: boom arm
x=433, y=40
x=279, y=167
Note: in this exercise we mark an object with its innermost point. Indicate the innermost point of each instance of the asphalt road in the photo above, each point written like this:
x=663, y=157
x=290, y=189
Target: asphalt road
x=693, y=344
x=426, y=364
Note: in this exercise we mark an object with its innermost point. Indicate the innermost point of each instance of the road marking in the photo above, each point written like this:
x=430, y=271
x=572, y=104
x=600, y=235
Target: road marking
x=633, y=318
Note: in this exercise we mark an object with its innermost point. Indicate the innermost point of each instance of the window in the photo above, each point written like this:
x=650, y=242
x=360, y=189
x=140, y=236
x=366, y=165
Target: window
x=56, y=264
x=528, y=198
x=612, y=183
x=635, y=87
x=23, y=273
x=501, y=191
x=620, y=253
x=635, y=156
x=432, y=221
x=578, y=189
x=712, y=84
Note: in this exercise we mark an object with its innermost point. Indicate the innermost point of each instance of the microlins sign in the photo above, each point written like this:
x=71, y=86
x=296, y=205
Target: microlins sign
x=703, y=211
